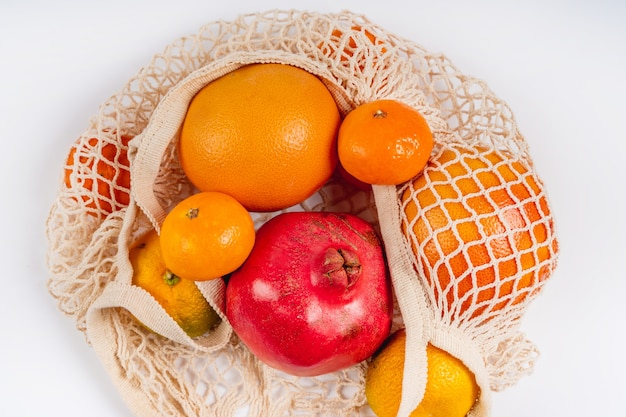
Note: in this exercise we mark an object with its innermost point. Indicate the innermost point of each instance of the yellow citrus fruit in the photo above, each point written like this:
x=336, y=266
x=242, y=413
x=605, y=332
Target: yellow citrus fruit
x=384, y=142
x=451, y=388
x=265, y=134
x=180, y=298
x=206, y=236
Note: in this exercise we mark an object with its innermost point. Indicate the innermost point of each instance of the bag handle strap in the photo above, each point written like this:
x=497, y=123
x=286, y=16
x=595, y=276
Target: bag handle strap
x=148, y=148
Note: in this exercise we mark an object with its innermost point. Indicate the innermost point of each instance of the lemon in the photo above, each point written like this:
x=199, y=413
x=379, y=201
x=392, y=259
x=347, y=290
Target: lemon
x=180, y=298
x=451, y=388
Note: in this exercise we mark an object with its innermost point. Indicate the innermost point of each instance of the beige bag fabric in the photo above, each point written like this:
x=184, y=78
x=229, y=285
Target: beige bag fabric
x=94, y=220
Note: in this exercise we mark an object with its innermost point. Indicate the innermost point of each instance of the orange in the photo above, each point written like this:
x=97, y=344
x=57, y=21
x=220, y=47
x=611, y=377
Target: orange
x=265, y=134
x=181, y=299
x=350, y=45
x=206, y=236
x=451, y=388
x=100, y=172
x=483, y=229
x=384, y=142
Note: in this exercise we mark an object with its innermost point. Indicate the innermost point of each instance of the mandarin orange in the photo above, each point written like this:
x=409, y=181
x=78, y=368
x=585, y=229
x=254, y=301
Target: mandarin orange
x=384, y=142
x=206, y=236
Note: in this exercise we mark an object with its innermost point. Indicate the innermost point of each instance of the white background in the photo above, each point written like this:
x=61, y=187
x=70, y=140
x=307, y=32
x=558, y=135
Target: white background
x=560, y=65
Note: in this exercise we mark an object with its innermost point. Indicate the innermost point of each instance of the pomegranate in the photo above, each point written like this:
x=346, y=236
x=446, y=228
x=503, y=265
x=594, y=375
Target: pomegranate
x=314, y=296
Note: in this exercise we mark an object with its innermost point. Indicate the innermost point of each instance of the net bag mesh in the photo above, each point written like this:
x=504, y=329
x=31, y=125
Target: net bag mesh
x=458, y=287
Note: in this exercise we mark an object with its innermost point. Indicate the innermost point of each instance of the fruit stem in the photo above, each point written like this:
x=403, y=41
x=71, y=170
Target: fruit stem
x=171, y=278
x=192, y=213
x=380, y=114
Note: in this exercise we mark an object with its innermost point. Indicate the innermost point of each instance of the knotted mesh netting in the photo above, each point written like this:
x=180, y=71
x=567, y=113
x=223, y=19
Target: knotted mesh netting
x=469, y=243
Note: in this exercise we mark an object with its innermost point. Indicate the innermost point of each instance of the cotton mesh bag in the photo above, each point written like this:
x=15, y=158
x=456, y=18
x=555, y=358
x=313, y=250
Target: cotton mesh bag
x=464, y=265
